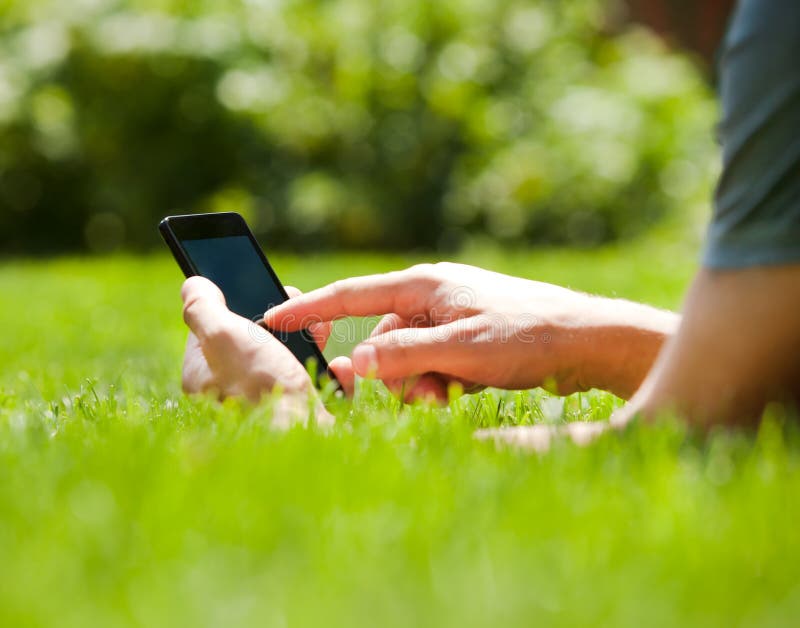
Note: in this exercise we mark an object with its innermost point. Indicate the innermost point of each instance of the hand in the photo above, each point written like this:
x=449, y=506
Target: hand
x=429, y=386
x=229, y=355
x=540, y=437
x=452, y=322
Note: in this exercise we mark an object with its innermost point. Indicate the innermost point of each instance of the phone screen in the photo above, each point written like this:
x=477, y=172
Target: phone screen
x=235, y=266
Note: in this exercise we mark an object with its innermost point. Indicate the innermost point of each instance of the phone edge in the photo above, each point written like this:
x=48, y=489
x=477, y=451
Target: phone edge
x=184, y=263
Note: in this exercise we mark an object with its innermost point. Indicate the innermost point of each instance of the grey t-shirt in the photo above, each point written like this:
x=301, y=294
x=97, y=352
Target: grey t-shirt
x=757, y=203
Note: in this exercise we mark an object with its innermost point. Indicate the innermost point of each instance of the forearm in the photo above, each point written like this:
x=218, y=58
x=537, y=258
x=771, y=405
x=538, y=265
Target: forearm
x=619, y=343
x=738, y=348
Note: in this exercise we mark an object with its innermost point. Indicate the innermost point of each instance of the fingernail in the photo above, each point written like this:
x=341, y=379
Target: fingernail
x=365, y=360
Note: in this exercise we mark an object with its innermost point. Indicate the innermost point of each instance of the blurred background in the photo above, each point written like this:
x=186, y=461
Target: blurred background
x=392, y=124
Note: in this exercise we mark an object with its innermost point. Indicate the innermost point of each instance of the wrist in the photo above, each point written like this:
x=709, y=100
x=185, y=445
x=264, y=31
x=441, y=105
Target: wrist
x=619, y=342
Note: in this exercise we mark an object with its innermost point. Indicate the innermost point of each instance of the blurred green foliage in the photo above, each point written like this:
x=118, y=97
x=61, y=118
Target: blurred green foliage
x=400, y=123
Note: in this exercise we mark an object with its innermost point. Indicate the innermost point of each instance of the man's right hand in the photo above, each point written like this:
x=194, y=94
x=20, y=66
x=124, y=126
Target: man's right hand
x=451, y=322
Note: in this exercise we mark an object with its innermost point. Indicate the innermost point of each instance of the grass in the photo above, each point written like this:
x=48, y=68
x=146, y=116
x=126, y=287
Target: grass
x=124, y=503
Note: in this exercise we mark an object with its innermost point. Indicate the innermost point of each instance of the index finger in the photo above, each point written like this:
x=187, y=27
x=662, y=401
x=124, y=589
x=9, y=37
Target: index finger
x=397, y=291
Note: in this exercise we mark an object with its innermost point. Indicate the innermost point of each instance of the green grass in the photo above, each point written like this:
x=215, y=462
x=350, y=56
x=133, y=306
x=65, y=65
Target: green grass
x=124, y=503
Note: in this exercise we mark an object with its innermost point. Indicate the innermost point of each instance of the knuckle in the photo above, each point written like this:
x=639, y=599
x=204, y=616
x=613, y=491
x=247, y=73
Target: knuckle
x=296, y=379
x=220, y=335
x=445, y=268
x=314, y=323
x=423, y=271
x=189, y=306
x=404, y=338
x=188, y=287
x=338, y=287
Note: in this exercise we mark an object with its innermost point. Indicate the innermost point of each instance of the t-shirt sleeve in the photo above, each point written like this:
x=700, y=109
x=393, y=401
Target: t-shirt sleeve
x=756, y=217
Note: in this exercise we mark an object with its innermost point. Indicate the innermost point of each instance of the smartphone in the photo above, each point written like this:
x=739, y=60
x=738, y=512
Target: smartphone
x=222, y=248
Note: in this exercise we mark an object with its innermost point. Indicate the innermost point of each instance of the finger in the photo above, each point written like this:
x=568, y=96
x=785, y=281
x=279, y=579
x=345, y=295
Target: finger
x=320, y=332
x=194, y=286
x=342, y=367
x=585, y=432
x=388, y=323
x=397, y=292
x=536, y=438
x=430, y=387
x=436, y=383
x=540, y=437
x=204, y=309
x=407, y=352
x=399, y=386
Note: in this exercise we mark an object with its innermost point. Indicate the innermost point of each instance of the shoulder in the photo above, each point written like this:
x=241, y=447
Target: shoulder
x=756, y=17
x=757, y=204
x=760, y=59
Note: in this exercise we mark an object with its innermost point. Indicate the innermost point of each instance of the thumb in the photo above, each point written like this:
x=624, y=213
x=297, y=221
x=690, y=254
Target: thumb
x=204, y=309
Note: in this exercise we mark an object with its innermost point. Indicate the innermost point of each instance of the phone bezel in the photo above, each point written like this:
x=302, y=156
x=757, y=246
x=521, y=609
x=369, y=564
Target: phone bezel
x=219, y=225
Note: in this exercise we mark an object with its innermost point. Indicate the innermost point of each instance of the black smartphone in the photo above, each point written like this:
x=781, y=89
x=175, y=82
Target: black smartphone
x=222, y=248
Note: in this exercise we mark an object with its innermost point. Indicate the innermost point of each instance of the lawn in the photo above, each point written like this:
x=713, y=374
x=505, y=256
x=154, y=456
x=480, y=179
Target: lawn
x=124, y=503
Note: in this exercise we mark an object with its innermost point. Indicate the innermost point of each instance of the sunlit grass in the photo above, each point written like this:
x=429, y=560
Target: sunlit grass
x=122, y=502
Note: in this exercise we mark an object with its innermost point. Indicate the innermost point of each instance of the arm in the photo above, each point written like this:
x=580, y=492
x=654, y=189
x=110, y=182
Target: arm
x=451, y=322
x=737, y=348
x=739, y=344
x=446, y=323
x=622, y=341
